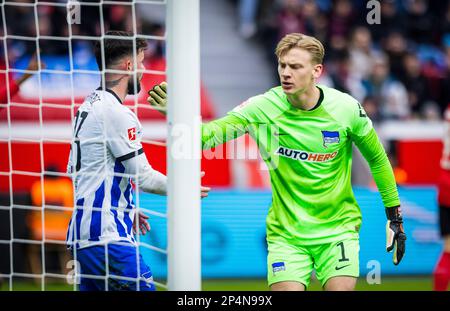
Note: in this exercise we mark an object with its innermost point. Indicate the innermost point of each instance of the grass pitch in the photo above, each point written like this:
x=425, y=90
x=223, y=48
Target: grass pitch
x=398, y=283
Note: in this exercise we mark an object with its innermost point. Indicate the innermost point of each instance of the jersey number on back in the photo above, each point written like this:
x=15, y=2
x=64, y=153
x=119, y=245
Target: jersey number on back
x=76, y=129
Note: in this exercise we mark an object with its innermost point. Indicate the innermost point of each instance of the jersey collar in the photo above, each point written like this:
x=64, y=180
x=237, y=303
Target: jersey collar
x=112, y=92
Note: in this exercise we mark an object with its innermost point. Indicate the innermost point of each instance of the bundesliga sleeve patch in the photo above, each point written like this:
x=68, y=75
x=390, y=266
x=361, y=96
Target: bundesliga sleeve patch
x=132, y=134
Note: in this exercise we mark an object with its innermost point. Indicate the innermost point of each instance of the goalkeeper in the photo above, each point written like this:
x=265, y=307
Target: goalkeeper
x=314, y=219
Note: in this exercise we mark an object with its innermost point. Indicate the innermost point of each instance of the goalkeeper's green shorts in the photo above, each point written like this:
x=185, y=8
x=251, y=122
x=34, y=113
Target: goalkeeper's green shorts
x=289, y=262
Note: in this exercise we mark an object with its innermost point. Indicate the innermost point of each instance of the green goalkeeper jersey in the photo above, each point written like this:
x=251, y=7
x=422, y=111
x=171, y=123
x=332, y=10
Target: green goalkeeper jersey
x=309, y=155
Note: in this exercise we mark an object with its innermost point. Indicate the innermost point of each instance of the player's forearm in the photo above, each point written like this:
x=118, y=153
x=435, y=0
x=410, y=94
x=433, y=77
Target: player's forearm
x=222, y=130
x=373, y=151
x=153, y=182
x=146, y=178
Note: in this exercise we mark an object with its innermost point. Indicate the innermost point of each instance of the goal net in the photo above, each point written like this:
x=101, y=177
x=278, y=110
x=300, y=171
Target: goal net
x=47, y=68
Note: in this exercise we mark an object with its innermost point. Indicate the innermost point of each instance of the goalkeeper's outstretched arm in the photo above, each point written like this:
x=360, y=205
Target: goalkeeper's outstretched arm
x=222, y=130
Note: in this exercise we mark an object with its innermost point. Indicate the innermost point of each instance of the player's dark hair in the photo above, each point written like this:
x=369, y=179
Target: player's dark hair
x=115, y=49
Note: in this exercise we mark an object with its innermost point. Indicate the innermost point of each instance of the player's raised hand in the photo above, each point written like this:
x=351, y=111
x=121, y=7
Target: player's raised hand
x=141, y=221
x=395, y=235
x=204, y=191
x=158, y=97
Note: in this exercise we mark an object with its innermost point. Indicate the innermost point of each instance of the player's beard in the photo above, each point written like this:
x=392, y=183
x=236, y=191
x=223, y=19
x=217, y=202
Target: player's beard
x=131, y=90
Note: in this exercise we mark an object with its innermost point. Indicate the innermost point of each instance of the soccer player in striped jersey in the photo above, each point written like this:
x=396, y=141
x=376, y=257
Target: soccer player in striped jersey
x=106, y=155
x=305, y=134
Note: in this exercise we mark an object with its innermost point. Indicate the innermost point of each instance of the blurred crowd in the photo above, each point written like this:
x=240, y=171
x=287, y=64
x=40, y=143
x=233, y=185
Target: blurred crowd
x=398, y=69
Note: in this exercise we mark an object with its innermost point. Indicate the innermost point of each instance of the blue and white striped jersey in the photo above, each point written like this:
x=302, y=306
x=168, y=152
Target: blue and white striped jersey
x=107, y=135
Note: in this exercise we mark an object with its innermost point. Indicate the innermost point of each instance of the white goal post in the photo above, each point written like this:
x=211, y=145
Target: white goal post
x=183, y=166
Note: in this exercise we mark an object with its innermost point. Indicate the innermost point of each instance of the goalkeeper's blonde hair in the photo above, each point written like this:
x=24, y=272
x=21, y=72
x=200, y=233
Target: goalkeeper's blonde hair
x=299, y=40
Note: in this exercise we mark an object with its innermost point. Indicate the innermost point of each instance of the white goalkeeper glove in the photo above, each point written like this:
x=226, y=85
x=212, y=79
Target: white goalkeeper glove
x=395, y=235
x=158, y=97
